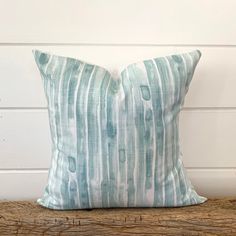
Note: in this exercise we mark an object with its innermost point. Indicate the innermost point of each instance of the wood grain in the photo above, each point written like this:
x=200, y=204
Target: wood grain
x=214, y=217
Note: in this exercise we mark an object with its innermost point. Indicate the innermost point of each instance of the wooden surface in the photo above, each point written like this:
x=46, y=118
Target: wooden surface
x=214, y=217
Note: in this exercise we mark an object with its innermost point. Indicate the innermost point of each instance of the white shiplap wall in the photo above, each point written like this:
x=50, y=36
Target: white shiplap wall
x=113, y=34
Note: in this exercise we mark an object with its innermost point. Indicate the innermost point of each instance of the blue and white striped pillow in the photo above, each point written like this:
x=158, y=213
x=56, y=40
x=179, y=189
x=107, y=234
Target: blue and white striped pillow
x=115, y=142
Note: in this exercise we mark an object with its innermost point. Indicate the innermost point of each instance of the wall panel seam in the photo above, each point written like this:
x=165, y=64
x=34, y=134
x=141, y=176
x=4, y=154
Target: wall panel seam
x=45, y=170
x=2, y=109
x=116, y=44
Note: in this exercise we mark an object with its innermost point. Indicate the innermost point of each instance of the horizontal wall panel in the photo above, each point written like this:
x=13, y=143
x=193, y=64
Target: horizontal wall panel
x=207, y=137
x=27, y=185
x=145, y=21
x=214, y=182
x=24, y=139
x=213, y=84
x=22, y=185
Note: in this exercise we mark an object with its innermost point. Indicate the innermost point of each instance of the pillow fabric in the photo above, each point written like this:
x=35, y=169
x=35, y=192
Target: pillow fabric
x=115, y=142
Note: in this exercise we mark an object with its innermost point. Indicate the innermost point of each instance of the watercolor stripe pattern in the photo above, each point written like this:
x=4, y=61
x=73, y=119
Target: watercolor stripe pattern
x=115, y=141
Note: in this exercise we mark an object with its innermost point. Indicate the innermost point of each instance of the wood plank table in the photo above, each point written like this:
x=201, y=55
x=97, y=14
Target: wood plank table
x=214, y=217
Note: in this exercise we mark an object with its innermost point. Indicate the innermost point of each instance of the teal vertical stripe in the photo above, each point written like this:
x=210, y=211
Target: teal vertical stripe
x=105, y=190
x=122, y=150
x=140, y=134
x=130, y=139
x=82, y=152
x=157, y=98
x=112, y=137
